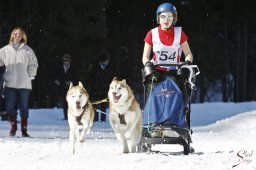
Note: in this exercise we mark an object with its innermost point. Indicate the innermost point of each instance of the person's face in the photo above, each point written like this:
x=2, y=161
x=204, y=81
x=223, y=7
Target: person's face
x=165, y=20
x=66, y=61
x=17, y=36
x=105, y=62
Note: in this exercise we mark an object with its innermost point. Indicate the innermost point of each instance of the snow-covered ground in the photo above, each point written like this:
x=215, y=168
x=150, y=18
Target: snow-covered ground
x=224, y=136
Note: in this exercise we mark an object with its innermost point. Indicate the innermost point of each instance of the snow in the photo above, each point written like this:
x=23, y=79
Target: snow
x=224, y=135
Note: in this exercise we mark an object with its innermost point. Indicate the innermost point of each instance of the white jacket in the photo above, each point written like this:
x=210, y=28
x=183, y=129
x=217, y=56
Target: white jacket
x=21, y=65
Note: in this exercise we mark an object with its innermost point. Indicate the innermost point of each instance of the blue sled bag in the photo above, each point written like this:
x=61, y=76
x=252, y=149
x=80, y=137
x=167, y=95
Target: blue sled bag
x=165, y=105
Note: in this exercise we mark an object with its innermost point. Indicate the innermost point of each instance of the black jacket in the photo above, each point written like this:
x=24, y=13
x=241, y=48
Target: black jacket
x=99, y=80
x=62, y=77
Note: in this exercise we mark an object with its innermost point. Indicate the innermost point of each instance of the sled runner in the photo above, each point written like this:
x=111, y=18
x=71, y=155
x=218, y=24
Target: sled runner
x=167, y=101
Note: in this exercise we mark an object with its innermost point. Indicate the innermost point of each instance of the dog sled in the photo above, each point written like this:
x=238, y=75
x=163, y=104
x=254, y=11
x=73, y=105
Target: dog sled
x=167, y=107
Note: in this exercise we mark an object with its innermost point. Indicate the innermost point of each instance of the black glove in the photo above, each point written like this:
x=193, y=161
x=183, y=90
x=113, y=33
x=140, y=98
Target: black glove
x=187, y=62
x=149, y=64
x=149, y=68
x=184, y=72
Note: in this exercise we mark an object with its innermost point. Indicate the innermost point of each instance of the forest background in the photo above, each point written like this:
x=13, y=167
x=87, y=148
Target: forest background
x=221, y=35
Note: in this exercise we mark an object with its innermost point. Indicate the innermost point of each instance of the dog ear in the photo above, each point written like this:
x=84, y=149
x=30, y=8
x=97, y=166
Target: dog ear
x=124, y=81
x=70, y=85
x=115, y=79
x=80, y=84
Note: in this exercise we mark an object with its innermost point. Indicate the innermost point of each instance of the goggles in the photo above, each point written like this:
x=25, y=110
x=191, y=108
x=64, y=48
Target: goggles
x=163, y=17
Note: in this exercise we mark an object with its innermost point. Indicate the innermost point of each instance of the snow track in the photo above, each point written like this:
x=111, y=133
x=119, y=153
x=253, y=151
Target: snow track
x=216, y=144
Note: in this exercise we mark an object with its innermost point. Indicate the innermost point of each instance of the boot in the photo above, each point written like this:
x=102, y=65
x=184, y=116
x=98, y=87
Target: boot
x=13, y=121
x=24, y=125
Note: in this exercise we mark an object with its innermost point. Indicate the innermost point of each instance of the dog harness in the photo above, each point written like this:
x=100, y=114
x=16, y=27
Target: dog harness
x=78, y=118
x=122, y=119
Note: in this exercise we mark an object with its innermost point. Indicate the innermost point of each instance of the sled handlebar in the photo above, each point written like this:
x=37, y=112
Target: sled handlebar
x=178, y=65
x=193, y=71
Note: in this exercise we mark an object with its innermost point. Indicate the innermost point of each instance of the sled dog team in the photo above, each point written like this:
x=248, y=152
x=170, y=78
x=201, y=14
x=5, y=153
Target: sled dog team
x=125, y=114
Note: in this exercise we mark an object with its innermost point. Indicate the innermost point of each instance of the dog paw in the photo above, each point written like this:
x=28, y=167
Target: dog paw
x=133, y=149
x=82, y=140
x=126, y=151
x=72, y=151
x=88, y=131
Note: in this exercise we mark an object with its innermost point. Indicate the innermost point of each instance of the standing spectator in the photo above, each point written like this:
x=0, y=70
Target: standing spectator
x=100, y=76
x=21, y=67
x=64, y=75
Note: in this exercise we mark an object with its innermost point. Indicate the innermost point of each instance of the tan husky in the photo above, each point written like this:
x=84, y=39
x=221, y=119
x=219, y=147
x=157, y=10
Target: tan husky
x=125, y=114
x=80, y=114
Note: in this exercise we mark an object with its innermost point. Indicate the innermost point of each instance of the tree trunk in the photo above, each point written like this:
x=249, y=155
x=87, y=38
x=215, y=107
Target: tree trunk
x=226, y=64
x=237, y=84
x=244, y=61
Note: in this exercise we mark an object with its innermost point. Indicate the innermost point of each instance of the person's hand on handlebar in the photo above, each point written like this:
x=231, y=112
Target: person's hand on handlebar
x=149, y=64
x=187, y=62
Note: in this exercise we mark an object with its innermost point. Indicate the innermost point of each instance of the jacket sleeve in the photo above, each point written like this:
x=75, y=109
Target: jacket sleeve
x=32, y=65
x=2, y=54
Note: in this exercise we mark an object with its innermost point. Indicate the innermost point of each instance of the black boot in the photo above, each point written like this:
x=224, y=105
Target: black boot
x=13, y=121
x=24, y=125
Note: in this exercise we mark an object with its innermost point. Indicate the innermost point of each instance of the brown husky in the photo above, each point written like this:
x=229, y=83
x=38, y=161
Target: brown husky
x=125, y=114
x=80, y=113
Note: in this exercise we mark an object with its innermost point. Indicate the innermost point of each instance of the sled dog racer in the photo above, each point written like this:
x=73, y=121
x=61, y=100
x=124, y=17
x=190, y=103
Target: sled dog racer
x=166, y=41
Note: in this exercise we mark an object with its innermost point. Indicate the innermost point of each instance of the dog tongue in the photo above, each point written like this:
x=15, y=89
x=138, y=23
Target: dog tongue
x=78, y=106
x=116, y=98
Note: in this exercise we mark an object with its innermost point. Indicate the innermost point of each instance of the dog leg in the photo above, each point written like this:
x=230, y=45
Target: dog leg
x=117, y=132
x=120, y=136
x=136, y=135
x=134, y=140
x=84, y=131
x=124, y=140
x=125, y=146
x=77, y=136
x=72, y=139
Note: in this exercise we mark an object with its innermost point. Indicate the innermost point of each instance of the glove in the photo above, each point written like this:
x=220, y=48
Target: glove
x=149, y=68
x=187, y=62
x=149, y=64
x=184, y=72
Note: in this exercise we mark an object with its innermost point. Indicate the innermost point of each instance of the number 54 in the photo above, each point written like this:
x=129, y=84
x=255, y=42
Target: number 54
x=164, y=56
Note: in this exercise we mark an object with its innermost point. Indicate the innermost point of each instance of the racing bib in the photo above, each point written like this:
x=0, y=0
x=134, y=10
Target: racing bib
x=166, y=54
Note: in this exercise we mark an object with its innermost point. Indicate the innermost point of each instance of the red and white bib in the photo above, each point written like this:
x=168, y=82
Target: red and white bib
x=166, y=54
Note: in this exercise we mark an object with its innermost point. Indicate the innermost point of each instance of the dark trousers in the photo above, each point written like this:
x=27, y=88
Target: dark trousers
x=17, y=99
x=65, y=107
x=2, y=107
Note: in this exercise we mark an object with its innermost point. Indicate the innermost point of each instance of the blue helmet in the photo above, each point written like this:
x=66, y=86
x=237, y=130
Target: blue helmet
x=165, y=7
